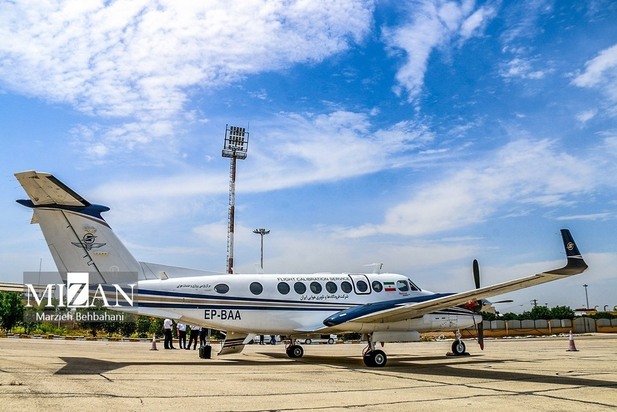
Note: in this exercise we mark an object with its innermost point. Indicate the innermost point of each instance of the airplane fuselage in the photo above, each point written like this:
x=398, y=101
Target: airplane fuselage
x=291, y=303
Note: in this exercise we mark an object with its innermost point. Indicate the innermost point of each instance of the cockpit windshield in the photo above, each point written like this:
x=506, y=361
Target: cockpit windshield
x=413, y=285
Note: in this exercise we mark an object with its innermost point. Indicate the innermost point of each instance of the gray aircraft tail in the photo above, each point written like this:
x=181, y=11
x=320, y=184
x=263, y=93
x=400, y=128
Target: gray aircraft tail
x=79, y=239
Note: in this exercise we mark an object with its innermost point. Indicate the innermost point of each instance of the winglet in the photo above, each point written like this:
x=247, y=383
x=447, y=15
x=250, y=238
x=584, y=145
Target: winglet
x=576, y=264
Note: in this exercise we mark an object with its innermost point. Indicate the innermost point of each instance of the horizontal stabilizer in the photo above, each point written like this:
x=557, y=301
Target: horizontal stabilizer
x=45, y=190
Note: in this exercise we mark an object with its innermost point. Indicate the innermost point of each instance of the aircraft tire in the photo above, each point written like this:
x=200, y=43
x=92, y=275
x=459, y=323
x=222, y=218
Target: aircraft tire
x=295, y=351
x=379, y=358
x=368, y=359
x=458, y=347
x=375, y=359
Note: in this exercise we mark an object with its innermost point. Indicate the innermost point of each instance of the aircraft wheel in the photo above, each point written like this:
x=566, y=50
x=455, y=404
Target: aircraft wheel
x=295, y=351
x=375, y=359
x=458, y=347
x=368, y=359
x=379, y=358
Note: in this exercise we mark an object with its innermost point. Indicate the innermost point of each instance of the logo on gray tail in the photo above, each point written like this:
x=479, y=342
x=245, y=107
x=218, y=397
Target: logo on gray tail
x=88, y=241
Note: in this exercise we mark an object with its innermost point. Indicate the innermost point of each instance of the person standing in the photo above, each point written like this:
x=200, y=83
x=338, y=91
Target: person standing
x=202, y=336
x=167, y=328
x=181, y=327
x=193, y=337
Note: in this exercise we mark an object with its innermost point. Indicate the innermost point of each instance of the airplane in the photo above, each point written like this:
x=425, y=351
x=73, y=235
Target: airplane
x=383, y=307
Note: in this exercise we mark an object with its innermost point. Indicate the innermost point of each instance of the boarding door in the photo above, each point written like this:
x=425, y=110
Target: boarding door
x=361, y=284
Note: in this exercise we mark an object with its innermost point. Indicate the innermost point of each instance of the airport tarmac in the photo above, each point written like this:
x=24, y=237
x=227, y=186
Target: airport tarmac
x=535, y=374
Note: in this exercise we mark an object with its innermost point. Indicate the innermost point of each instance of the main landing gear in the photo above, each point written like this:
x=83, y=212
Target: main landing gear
x=458, y=346
x=372, y=357
x=294, y=350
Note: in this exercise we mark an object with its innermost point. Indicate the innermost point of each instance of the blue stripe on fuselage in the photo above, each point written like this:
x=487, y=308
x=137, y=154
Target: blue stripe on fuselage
x=170, y=294
x=363, y=310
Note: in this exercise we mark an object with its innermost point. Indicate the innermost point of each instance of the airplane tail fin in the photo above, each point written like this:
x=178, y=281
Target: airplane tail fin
x=79, y=239
x=576, y=264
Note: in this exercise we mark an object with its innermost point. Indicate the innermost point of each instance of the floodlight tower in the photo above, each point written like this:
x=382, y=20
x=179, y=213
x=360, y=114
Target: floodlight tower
x=261, y=232
x=235, y=147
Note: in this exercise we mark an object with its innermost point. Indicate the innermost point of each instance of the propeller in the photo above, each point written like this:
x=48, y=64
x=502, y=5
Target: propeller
x=479, y=326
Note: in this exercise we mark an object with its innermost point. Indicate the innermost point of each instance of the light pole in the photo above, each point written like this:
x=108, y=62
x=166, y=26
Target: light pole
x=262, y=233
x=235, y=147
x=586, y=296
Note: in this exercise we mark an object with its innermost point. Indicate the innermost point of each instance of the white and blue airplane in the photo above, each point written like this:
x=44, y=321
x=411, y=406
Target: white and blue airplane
x=383, y=307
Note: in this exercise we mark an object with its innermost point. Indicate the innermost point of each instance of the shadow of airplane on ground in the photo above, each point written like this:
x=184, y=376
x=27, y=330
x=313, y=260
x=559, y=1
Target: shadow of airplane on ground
x=407, y=365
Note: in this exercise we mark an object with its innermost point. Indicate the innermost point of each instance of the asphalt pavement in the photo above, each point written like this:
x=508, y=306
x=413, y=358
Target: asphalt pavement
x=535, y=374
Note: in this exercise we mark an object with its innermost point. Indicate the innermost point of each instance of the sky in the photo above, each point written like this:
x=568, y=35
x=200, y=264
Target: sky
x=415, y=134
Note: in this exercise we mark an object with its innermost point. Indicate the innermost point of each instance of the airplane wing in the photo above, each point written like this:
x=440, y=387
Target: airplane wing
x=45, y=189
x=400, y=310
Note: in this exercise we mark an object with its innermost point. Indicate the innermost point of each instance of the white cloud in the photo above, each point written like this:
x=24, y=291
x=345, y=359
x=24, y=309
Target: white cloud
x=522, y=68
x=476, y=21
x=431, y=24
x=296, y=149
x=601, y=73
x=136, y=60
x=521, y=173
x=599, y=70
x=586, y=115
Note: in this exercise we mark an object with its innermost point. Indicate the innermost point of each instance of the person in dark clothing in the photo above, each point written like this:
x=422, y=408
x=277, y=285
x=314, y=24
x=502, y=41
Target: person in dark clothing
x=202, y=336
x=193, y=337
x=167, y=330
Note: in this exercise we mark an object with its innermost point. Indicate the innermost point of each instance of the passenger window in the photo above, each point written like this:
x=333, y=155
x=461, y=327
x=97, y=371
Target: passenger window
x=256, y=288
x=377, y=286
x=402, y=285
x=362, y=286
x=331, y=287
x=315, y=287
x=283, y=288
x=346, y=287
x=221, y=288
x=300, y=288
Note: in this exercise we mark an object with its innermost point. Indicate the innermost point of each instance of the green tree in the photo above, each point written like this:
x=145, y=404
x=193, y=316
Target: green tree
x=540, y=312
x=488, y=315
x=11, y=309
x=143, y=326
x=511, y=316
x=561, y=312
x=156, y=326
x=129, y=325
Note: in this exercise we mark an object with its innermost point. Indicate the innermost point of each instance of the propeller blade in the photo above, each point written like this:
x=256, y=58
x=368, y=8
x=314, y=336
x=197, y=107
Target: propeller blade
x=504, y=301
x=476, y=273
x=480, y=327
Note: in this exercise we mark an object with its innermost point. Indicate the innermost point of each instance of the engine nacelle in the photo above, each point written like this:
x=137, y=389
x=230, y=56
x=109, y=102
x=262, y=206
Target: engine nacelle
x=450, y=321
x=386, y=336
